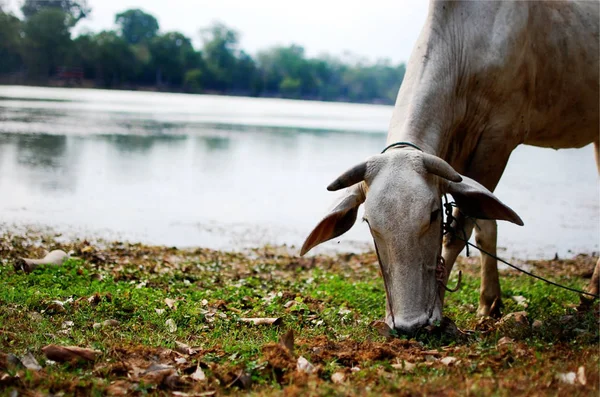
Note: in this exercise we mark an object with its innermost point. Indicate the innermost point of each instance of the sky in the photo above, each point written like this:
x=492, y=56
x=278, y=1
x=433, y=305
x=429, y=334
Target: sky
x=374, y=29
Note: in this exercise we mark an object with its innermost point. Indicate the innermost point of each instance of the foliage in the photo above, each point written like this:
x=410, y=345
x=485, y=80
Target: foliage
x=136, y=26
x=75, y=10
x=47, y=41
x=139, y=55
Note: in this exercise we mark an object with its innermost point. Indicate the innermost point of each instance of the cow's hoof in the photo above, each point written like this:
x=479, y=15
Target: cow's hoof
x=585, y=304
x=490, y=310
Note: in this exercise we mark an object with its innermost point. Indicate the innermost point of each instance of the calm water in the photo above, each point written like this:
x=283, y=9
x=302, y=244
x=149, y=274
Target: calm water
x=227, y=172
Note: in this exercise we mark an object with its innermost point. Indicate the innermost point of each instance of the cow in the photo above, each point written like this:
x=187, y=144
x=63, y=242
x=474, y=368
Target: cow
x=483, y=78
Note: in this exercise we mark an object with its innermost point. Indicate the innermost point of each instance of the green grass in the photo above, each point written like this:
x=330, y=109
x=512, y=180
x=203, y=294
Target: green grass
x=329, y=304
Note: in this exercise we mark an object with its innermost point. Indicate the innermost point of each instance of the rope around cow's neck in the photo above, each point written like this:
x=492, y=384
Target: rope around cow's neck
x=397, y=144
x=447, y=227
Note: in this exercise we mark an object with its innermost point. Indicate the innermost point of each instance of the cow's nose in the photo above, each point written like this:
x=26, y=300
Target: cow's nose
x=407, y=327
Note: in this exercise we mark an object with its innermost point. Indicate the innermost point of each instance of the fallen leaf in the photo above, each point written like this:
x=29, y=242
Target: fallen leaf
x=118, y=388
x=159, y=311
x=56, y=307
x=303, y=365
x=568, y=377
x=69, y=353
x=67, y=324
x=171, y=303
x=505, y=340
x=180, y=360
x=287, y=340
x=449, y=360
x=171, y=326
x=355, y=369
x=521, y=300
x=97, y=277
x=14, y=361
x=56, y=258
x=31, y=363
x=262, y=320
x=110, y=323
x=183, y=348
x=338, y=377
x=243, y=380
x=289, y=304
x=581, y=375
x=405, y=365
x=382, y=328
x=198, y=375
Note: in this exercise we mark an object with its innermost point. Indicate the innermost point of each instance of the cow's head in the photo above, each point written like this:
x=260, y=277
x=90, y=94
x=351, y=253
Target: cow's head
x=402, y=192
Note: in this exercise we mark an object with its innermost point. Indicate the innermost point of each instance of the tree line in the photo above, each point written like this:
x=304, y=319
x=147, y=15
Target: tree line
x=39, y=49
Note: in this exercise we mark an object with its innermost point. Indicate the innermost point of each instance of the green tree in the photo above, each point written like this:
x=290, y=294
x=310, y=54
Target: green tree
x=136, y=26
x=47, y=42
x=219, y=53
x=76, y=10
x=115, y=60
x=170, y=52
x=11, y=43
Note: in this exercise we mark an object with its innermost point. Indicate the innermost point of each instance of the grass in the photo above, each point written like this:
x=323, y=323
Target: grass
x=163, y=296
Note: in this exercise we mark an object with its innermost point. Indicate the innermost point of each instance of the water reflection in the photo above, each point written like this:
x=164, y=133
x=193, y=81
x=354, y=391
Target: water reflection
x=141, y=144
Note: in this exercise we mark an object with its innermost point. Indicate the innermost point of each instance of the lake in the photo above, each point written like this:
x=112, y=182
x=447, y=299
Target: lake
x=230, y=173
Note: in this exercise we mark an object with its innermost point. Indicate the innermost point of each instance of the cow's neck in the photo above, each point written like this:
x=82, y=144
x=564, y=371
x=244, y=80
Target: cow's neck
x=440, y=106
x=473, y=77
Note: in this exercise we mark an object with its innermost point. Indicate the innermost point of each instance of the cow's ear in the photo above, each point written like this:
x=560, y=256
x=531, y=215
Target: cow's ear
x=338, y=221
x=474, y=200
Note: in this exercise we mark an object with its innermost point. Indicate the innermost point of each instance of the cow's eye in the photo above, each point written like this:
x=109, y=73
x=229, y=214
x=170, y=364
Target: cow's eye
x=434, y=216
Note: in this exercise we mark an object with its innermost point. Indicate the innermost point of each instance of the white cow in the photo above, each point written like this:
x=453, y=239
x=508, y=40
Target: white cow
x=483, y=78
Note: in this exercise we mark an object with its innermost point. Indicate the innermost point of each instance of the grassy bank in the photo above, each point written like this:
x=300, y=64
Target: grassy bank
x=169, y=321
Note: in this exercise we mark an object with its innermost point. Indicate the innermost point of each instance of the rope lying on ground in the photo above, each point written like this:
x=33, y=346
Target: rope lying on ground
x=447, y=226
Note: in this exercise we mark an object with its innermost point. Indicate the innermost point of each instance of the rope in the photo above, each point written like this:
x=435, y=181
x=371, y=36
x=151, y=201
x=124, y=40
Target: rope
x=396, y=144
x=448, y=229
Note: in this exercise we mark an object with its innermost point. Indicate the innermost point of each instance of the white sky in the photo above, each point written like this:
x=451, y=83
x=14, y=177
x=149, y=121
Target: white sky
x=371, y=28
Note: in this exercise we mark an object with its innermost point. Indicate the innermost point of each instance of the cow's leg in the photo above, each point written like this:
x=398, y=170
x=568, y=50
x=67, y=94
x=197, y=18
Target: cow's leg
x=486, y=167
x=486, y=233
x=595, y=281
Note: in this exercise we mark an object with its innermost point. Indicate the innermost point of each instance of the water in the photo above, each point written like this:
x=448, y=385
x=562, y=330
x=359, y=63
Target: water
x=224, y=172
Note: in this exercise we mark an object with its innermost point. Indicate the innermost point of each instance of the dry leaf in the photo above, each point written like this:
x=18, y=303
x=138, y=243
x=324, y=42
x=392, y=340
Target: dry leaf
x=56, y=258
x=198, y=375
x=505, y=340
x=183, y=348
x=69, y=353
x=31, y=363
x=287, y=340
x=382, y=328
x=581, y=375
x=449, y=360
x=262, y=320
x=171, y=326
x=405, y=365
x=568, y=377
x=303, y=365
x=171, y=303
x=243, y=380
x=159, y=311
x=338, y=377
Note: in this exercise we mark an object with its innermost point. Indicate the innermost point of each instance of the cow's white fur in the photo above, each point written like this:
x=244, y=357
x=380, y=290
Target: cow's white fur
x=484, y=77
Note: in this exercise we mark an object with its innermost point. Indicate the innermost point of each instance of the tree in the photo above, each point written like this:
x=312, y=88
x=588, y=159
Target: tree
x=11, y=43
x=115, y=61
x=75, y=9
x=170, y=52
x=219, y=52
x=48, y=42
x=136, y=26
